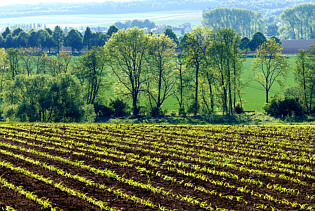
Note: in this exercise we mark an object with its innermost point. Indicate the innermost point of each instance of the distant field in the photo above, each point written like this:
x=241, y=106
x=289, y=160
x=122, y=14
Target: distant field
x=165, y=17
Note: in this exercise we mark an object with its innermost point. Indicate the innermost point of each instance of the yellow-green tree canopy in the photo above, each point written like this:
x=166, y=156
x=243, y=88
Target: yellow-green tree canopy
x=245, y=22
x=299, y=22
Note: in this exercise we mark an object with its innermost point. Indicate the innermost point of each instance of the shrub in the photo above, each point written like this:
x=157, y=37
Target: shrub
x=284, y=108
x=193, y=108
x=181, y=111
x=119, y=107
x=43, y=98
x=156, y=112
x=103, y=111
x=238, y=109
x=89, y=113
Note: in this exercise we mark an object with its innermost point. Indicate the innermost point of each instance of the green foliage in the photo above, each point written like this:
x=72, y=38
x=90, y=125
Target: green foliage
x=44, y=98
x=87, y=39
x=112, y=29
x=244, y=45
x=74, y=40
x=238, y=109
x=102, y=112
x=58, y=38
x=160, y=77
x=169, y=32
x=119, y=107
x=245, y=22
x=6, y=32
x=127, y=51
x=299, y=22
x=257, y=40
x=305, y=75
x=194, y=47
x=270, y=64
x=90, y=71
x=12, y=58
x=284, y=108
x=89, y=113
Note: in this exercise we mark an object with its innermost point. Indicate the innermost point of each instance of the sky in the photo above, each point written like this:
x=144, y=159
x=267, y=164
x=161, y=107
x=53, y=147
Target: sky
x=12, y=2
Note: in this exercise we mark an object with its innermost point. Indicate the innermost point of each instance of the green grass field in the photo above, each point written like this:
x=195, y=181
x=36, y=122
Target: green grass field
x=253, y=93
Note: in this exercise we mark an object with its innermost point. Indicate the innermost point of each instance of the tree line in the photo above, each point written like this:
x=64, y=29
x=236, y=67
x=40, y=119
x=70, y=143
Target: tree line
x=202, y=70
x=47, y=39
x=297, y=22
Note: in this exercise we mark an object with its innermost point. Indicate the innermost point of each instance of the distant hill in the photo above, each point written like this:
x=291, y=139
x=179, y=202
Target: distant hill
x=139, y=6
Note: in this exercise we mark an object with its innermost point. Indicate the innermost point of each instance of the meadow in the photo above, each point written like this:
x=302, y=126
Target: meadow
x=253, y=93
x=156, y=167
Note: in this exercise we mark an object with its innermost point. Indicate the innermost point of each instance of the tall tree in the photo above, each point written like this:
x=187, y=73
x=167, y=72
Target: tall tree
x=74, y=39
x=258, y=39
x=58, y=64
x=87, y=38
x=33, y=39
x=270, y=65
x=244, y=45
x=58, y=38
x=3, y=67
x=13, y=58
x=161, y=77
x=27, y=58
x=223, y=60
x=127, y=51
x=195, y=48
x=305, y=74
x=16, y=32
x=2, y=42
x=6, y=32
x=112, y=29
x=92, y=72
x=170, y=33
x=22, y=40
x=9, y=42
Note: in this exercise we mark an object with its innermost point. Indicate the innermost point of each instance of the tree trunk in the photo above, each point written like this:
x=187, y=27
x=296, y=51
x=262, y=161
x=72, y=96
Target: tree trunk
x=234, y=83
x=134, y=104
x=196, y=90
x=211, y=93
x=267, y=95
x=181, y=86
x=304, y=87
x=230, y=90
x=311, y=98
x=158, y=105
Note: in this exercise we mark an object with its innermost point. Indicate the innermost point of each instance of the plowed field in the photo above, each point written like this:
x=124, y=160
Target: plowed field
x=154, y=167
